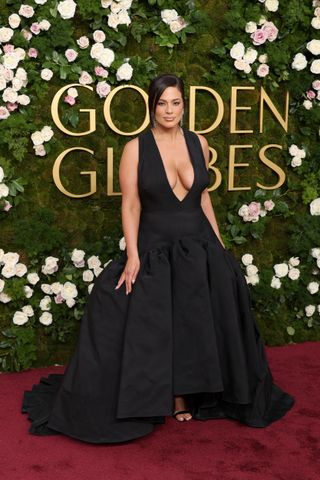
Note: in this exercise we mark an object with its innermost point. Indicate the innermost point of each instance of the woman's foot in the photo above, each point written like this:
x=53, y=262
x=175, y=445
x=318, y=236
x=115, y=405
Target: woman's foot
x=180, y=404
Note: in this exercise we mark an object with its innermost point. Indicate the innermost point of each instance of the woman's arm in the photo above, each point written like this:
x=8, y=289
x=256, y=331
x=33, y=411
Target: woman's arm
x=205, y=197
x=130, y=207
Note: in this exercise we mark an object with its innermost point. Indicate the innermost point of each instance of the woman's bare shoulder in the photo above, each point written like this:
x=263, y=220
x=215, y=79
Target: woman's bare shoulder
x=203, y=140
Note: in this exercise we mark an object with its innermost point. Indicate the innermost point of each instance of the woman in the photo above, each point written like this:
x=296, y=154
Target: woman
x=168, y=328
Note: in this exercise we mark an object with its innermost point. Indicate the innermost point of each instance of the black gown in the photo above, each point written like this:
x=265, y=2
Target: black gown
x=186, y=328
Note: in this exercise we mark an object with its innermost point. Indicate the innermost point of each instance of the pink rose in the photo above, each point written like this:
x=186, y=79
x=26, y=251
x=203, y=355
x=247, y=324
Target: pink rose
x=32, y=52
x=271, y=30
x=259, y=36
x=101, y=72
x=103, y=88
x=35, y=28
x=70, y=100
x=316, y=84
x=263, y=70
x=70, y=54
x=310, y=94
x=58, y=298
x=12, y=106
x=268, y=205
x=254, y=209
x=8, y=48
x=7, y=205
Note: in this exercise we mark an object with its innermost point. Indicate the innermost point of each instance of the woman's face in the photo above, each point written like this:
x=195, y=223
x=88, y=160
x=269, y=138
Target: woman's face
x=169, y=108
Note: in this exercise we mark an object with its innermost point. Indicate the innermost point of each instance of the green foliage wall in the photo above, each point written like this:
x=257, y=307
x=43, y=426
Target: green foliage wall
x=44, y=222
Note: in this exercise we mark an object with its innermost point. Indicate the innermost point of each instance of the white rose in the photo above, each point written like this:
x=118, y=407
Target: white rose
x=294, y=150
x=96, y=50
x=124, y=19
x=97, y=271
x=106, y=3
x=4, y=190
x=272, y=5
x=28, y=310
x=67, y=9
x=294, y=261
x=243, y=211
x=99, y=36
x=237, y=51
x=263, y=58
x=56, y=287
x=68, y=290
x=315, y=66
x=21, y=269
x=310, y=309
x=2, y=284
x=5, y=298
x=44, y=25
x=85, y=78
x=45, y=303
x=14, y=20
x=28, y=291
x=106, y=57
x=90, y=287
x=315, y=23
x=46, y=74
x=50, y=266
x=124, y=72
x=9, y=95
x=83, y=42
x=253, y=279
x=251, y=270
x=315, y=252
x=299, y=62
x=250, y=55
x=2, y=175
x=251, y=27
x=4, y=113
x=314, y=47
x=281, y=269
x=46, y=288
x=21, y=73
x=70, y=302
x=73, y=92
x=87, y=276
x=77, y=255
x=113, y=20
x=20, y=318
x=169, y=15
x=315, y=206
x=313, y=287
x=23, y=99
x=5, y=34
x=294, y=273
x=20, y=52
x=3, y=82
x=33, y=278
x=247, y=259
x=46, y=318
x=93, y=262
x=37, y=138
x=9, y=270
x=47, y=133
x=307, y=104
x=275, y=282
x=10, y=258
x=40, y=2
x=10, y=60
x=26, y=11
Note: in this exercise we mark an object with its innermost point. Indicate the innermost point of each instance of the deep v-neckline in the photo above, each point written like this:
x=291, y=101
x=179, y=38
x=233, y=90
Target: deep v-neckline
x=165, y=172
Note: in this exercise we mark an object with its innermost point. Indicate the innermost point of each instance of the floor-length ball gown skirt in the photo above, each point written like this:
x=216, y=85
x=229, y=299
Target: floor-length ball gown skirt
x=187, y=328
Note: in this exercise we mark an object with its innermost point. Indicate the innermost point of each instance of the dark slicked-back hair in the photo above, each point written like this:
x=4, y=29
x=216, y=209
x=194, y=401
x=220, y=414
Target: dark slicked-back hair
x=157, y=87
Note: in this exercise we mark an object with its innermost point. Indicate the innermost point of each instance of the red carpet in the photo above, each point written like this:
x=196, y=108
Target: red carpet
x=220, y=449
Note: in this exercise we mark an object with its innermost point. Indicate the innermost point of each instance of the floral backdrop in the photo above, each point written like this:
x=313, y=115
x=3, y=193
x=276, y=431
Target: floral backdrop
x=53, y=246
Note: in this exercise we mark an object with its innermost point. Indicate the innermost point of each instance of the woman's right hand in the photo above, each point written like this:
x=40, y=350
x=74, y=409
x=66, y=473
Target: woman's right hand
x=129, y=273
